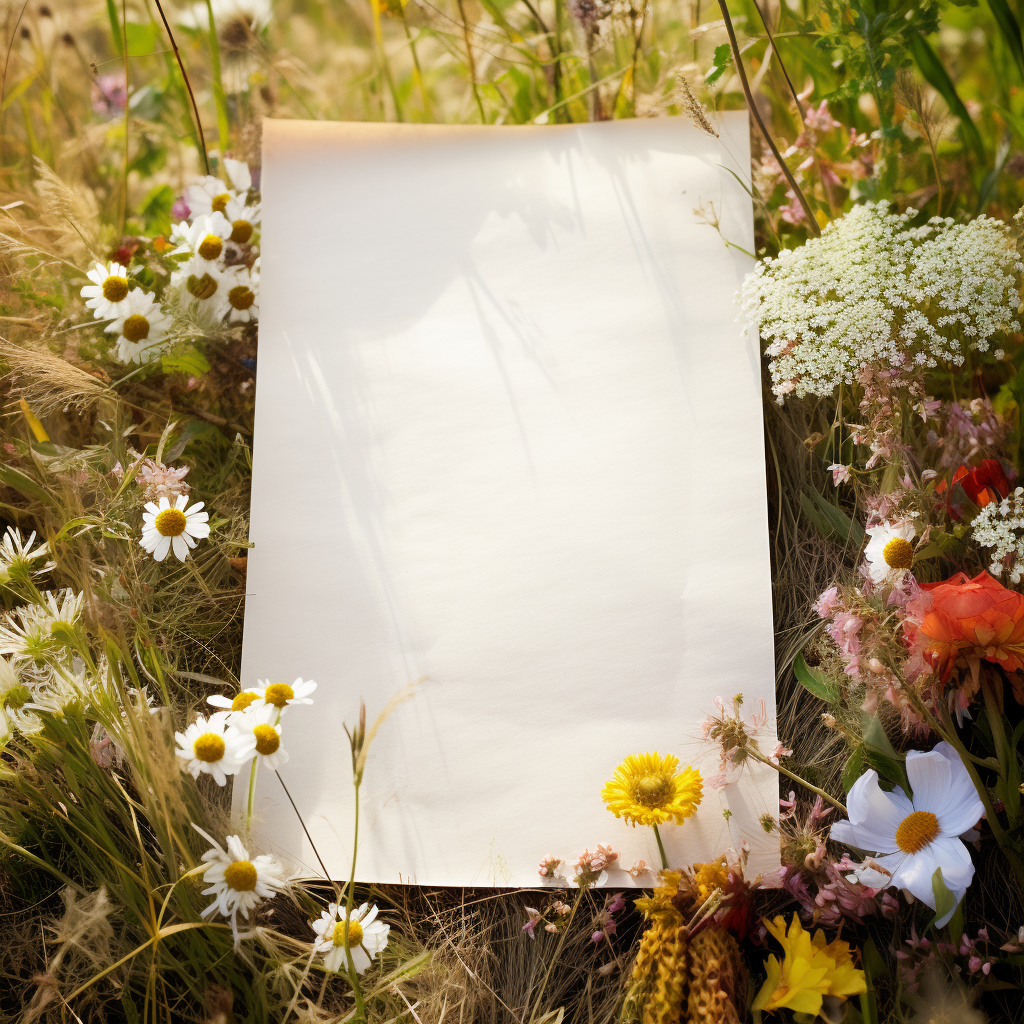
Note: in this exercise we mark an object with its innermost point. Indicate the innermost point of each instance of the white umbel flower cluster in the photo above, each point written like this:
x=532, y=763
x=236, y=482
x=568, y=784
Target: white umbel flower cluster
x=873, y=290
x=1000, y=526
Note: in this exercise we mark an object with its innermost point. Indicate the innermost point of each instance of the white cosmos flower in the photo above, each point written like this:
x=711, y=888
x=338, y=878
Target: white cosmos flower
x=915, y=835
x=208, y=745
x=366, y=936
x=107, y=296
x=140, y=328
x=260, y=728
x=242, y=290
x=207, y=196
x=889, y=549
x=237, y=881
x=203, y=239
x=165, y=525
x=233, y=705
x=281, y=695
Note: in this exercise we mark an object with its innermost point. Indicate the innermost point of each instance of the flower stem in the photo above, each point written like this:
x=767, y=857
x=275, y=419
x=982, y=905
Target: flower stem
x=353, y=974
x=661, y=848
x=252, y=793
x=758, y=756
x=223, y=129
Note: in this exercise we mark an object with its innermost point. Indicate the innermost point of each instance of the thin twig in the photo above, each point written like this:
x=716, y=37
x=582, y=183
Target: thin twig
x=812, y=224
x=188, y=85
x=775, y=50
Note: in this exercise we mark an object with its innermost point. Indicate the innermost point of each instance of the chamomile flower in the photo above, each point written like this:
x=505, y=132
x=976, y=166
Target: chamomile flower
x=243, y=293
x=281, y=695
x=233, y=705
x=140, y=329
x=237, y=881
x=209, y=746
x=165, y=526
x=17, y=556
x=203, y=283
x=238, y=170
x=16, y=710
x=202, y=240
x=366, y=935
x=208, y=196
x=244, y=219
x=261, y=728
x=107, y=296
x=33, y=632
x=889, y=549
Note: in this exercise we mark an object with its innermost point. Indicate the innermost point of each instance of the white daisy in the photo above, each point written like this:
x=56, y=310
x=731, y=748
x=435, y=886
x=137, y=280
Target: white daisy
x=237, y=881
x=260, y=727
x=17, y=556
x=208, y=745
x=165, y=525
x=366, y=936
x=244, y=219
x=242, y=288
x=207, y=196
x=16, y=710
x=915, y=835
x=233, y=705
x=203, y=283
x=107, y=296
x=140, y=329
x=281, y=695
x=203, y=239
x=33, y=632
x=889, y=549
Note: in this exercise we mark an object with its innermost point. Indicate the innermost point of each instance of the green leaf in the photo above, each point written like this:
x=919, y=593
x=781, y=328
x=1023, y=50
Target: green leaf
x=830, y=519
x=143, y=39
x=875, y=737
x=938, y=78
x=874, y=967
x=812, y=680
x=188, y=360
x=156, y=210
x=854, y=768
x=1010, y=31
x=24, y=485
x=945, y=901
x=721, y=60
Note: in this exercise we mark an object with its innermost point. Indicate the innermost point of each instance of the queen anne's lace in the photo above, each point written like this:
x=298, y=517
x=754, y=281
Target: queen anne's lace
x=1000, y=526
x=874, y=290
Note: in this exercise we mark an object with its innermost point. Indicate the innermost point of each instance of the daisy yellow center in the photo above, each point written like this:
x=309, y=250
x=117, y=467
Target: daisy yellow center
x=115, y=289
x=136, y=327
x=209, y=747
x=278, y=694
x=916, y=831
x=267, y=739
x=211, y=247
x=241, y=297
x=243, y=700
x=355, y=933
x=898, y=553
x=241, y=875
x=241, y=231
x=652, y=790
x=201, y=287
x=220, y=203
x=170, y=523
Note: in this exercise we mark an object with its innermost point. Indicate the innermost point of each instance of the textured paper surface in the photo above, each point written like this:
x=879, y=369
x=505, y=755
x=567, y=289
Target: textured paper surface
x=509, y=438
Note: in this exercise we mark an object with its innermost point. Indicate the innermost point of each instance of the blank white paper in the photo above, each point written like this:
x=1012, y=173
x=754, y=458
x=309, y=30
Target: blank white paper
x=508, y=438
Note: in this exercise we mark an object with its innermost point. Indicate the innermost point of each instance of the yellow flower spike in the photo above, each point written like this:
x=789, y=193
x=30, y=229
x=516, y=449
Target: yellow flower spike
x=647, y=791
x=33, y=421
x=810, y=970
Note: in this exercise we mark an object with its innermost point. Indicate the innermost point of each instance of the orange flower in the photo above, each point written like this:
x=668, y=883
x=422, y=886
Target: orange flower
x=975, y=619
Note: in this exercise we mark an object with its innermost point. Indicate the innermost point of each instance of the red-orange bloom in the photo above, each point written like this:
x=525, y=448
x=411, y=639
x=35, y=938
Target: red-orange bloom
x=975, y=619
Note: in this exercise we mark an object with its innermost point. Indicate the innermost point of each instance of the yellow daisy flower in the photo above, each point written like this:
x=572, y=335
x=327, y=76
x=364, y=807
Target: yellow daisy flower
x=810, y=970
x=647, y=791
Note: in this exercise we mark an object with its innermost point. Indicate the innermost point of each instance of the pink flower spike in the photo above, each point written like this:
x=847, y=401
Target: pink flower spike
x=840, y=474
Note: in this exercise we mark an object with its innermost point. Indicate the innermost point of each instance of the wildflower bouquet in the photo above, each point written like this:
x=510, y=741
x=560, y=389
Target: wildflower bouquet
x=887, y=296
